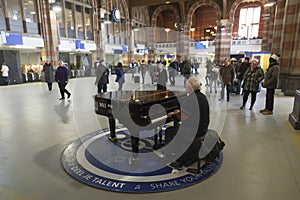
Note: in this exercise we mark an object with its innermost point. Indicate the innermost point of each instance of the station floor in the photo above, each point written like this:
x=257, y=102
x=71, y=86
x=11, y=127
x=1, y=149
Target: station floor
x=261, y=156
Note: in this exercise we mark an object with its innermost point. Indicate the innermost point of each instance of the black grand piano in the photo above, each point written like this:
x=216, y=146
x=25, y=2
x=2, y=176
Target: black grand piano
x=138, y=110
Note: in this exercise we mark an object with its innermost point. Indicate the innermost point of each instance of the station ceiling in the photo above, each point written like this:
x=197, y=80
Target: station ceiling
x=135, y=3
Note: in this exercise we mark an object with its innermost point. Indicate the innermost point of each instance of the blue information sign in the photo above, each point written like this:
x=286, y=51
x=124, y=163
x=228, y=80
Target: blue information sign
x=200, y=45
x=11, y=38
x=79, y=44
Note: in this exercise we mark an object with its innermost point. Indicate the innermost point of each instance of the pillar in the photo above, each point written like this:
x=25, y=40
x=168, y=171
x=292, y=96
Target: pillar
x=223, y=40
x=286, y=41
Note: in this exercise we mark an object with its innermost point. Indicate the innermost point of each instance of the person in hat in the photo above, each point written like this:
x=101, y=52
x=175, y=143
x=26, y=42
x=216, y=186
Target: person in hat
x=270, y=83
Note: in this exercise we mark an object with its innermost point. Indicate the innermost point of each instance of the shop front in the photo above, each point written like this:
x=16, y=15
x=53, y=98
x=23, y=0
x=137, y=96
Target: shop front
x=21, y=53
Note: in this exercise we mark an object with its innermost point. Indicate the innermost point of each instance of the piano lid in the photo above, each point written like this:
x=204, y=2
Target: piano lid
x=140, y=96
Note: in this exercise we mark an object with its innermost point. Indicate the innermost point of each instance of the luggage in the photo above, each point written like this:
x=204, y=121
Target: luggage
x=136, y=79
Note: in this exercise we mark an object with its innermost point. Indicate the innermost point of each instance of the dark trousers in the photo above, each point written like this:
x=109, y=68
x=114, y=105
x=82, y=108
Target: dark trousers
x=63, y=90
x=228, y=89
x=102, y=88
x=270, y=99
x=50, y=86
x=245, y=97
x=191, y=153
x=172, y=79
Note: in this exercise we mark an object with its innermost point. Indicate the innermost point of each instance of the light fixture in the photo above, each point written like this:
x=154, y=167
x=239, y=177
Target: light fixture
x=135, y=29
x=270, y=3
x=167, y=30
x=208, y=30
x=193, y=29
x=56, y=8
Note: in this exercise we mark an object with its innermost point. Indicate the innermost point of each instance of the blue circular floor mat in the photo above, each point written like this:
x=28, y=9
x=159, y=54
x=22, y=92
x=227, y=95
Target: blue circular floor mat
x=94, y=160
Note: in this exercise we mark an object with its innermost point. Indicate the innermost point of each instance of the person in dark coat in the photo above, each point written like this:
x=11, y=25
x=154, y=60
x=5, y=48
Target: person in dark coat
x=194, y=117
x=162, y=77
x=62, y=78
x=48, y=70
x=120, y=76
x=102, y=73
x=271, y=83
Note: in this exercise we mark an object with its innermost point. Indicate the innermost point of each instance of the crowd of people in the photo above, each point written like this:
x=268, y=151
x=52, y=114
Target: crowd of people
x=242, y=77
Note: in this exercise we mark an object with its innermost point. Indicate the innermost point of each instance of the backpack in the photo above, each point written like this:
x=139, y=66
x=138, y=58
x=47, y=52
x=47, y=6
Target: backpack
x=214, y=153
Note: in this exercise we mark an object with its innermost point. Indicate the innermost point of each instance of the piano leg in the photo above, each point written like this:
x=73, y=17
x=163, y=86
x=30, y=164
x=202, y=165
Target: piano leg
x=112, y=127
x=135, y=145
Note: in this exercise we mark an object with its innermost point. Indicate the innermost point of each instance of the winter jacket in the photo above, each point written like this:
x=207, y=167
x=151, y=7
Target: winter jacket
x=272, y=76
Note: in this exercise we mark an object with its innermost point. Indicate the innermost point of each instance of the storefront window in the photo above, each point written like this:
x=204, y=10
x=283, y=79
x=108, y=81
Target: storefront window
x=88, y=23
x=31, y=16
x=14, y=15
x=79, y=23
x=69, y=20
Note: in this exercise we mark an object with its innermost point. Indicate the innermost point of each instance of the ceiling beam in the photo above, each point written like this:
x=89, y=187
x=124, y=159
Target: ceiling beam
x=135, y=3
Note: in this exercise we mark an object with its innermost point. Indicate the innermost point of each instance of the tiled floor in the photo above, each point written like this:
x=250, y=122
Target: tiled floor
x=261, y=156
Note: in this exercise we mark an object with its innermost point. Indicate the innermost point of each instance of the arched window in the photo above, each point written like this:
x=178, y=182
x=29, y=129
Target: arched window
x=249, y=22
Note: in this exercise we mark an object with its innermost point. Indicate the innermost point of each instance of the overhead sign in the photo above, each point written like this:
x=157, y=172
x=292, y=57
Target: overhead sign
x=79, y=44
x=201, y=44
x=11, y=38
x=124, y=48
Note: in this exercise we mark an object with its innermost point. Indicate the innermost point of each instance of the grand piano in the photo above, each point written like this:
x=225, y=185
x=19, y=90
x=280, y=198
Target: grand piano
x=138, y=110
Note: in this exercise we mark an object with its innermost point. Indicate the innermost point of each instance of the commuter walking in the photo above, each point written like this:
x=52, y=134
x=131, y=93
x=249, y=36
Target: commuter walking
x=48, y=73
x=120, y=76
x=162, y=77
x=186, y=70
x=102, y=80
x=227, y=77
x=251, y=83
x=214, y=74
x=143, y=70
x=271, y=82
x=153, y=71
x=172, y=72
x=5, y=74
x=62, y=78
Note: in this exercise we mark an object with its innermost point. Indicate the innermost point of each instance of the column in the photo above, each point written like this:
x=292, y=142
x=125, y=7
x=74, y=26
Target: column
x=286, y=41
x=223, y=40
x=183, y=42
x=50, y=34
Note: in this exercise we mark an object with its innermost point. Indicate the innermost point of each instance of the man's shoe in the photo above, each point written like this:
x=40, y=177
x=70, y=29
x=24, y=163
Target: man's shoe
x=267, y=112
x=69, y=95
x=61, y=98
x=176, y=165
x=113, y=139
x=221, y=99
x=242, y=107
x=263, y=110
